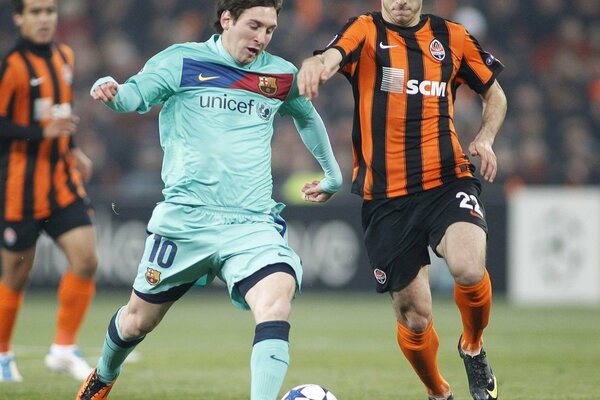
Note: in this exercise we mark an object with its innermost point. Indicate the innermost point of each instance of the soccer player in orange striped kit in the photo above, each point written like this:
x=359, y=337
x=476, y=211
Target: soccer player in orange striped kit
x=41, y=185
x=419, y=188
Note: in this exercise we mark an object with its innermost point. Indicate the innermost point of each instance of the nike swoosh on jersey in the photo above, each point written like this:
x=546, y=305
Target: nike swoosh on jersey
x=274, y=357
x=232, y=78
x=494, y=392
x=387, y=46
x=206, y=78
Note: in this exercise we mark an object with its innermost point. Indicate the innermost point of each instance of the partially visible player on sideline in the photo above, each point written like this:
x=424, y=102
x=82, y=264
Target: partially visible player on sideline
x=41, y=184
x=418, y=187
x=218, y=218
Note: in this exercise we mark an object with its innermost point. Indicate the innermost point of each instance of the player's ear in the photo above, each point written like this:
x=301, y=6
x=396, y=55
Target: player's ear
x=226, y=20
x=18, y=20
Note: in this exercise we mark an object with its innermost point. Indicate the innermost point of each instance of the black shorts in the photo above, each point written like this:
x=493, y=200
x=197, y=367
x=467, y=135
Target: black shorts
x=397, y=231
x=19, y=236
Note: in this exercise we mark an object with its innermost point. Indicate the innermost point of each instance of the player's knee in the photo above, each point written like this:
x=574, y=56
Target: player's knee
x=467, y=267
x=276, y=309
x=16, y=282
x=86, y=265
x=135, y=326
x=282, y=308
x=136, y=330
x=469, y=273
x=415, y=320
x=90, y=262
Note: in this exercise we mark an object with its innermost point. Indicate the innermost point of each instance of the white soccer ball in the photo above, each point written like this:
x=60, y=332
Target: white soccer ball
x=309, y=391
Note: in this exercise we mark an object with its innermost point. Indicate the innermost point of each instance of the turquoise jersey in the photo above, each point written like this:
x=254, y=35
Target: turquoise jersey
x=216, y=123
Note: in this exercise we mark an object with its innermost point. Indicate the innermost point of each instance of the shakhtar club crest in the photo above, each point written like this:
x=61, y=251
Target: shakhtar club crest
x=267, y=85
x=436, y=48
x=380, y=275
x=152, y=276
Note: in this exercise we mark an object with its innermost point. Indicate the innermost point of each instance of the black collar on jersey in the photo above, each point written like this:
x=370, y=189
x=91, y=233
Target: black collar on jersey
x=401, y=29
x=41, y=50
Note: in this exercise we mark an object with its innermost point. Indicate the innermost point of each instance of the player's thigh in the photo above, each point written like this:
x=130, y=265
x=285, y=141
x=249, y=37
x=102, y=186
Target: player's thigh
x=171, y=264
x=72, y=230
x=455, y=202
x=463, y=246
x=79, y=246
x=18, y=241
x=395, y=241
x=270, y=298
x=181, y=249
x=458, y=228
x=251, y=248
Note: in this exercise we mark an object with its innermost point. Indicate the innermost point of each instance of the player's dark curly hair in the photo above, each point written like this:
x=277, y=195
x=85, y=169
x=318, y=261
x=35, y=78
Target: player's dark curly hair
x=19, y=6
x=237, y=7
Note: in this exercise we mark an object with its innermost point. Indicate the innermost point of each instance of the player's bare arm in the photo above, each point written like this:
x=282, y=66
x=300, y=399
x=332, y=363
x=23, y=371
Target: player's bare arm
x=494, y=111
x=83, y=164
x=317, y=70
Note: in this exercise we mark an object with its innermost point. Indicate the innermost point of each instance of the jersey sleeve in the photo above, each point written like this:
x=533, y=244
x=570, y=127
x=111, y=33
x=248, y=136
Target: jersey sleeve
x=10, y=83
x=478, y=68
x=314, y=135
x=294, y=104
x=348, y=41
x=68, y=53
x=159, y=79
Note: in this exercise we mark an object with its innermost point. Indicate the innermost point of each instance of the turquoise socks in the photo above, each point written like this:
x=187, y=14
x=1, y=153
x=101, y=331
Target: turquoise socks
x=270, y=359
x=114, y=351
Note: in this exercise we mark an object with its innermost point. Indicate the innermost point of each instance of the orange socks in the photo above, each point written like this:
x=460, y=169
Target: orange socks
x=420, y=349
x=474, y=304
x=74, y=297
x=10, y=302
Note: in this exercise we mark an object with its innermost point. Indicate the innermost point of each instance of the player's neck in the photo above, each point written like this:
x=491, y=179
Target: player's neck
x=42, y=50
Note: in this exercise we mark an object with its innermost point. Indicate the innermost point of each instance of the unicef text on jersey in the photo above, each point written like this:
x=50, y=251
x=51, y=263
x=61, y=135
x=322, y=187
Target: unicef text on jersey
x=240, y=106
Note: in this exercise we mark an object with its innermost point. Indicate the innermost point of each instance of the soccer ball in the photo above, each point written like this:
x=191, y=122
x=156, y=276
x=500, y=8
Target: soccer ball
x=309, y=391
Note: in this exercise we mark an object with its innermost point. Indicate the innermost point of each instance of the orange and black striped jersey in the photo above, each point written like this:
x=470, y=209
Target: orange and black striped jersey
x=37, y=175
x=404, y=82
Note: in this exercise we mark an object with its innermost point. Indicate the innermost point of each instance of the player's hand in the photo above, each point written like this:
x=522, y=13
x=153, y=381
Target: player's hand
x=105, y=92
x=60, y=127
x=489, y=165
x=310, y=77
x=83, y=164
x=314, y=193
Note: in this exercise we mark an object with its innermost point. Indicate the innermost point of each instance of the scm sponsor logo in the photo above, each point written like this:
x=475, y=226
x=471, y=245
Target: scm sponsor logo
x=426, y=88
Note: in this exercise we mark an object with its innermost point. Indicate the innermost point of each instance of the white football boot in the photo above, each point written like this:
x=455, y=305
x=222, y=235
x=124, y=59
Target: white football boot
x=69, y=360
x=8, y=368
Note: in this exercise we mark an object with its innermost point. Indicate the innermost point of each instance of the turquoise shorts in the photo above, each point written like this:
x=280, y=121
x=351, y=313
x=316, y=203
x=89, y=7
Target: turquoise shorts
x=194, y=244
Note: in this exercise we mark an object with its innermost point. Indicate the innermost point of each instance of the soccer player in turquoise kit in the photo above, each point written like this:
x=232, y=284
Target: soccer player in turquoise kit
x=218, y=218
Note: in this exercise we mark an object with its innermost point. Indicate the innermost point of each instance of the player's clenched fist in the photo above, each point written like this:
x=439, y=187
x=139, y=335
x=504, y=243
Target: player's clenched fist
x=105, y=92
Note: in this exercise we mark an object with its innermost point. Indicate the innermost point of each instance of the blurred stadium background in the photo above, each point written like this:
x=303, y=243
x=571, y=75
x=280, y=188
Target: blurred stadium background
x=543, y=209
x=551, y=50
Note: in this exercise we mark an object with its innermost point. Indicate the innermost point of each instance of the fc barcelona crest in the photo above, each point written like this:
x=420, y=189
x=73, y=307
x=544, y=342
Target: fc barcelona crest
x=152, y=276
x=267, y=85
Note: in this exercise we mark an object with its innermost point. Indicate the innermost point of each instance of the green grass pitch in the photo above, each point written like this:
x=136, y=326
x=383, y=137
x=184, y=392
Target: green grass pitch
x=345, y=342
